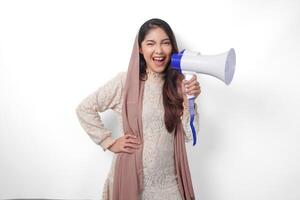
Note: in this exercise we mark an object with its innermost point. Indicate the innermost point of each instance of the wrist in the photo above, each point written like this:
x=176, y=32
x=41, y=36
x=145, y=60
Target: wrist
x=107, y=143
x=111, y=145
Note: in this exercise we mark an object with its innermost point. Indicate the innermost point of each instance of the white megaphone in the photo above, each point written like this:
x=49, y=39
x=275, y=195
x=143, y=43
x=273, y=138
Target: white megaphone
x=221, y=66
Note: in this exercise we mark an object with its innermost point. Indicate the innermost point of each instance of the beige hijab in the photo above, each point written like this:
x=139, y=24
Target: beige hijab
x=128, y=178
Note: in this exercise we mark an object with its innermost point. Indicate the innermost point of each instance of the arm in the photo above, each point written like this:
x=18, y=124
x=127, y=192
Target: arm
x=105, y=97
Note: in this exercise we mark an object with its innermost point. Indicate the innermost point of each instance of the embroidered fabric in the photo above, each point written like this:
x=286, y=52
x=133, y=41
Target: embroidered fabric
x=158, y=152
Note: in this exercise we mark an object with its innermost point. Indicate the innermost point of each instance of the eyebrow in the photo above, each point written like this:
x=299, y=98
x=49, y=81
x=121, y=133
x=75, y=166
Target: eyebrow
x=154, y=41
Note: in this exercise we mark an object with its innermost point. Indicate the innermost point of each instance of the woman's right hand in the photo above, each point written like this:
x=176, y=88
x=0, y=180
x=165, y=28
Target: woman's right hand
x=125, y=144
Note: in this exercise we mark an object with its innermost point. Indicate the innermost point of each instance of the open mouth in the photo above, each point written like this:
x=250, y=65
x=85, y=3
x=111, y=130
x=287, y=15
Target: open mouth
x=159, y=60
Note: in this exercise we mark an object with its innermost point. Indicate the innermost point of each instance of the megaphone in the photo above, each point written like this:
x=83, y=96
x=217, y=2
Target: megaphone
x=221, y=66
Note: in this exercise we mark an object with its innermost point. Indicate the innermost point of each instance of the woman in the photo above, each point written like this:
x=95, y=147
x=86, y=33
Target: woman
x=150, y=160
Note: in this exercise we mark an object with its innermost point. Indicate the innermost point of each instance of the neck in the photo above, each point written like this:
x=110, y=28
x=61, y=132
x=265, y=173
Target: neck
x=152, y=75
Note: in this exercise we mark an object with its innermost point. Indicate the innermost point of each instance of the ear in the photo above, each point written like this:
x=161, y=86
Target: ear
x=140, y=50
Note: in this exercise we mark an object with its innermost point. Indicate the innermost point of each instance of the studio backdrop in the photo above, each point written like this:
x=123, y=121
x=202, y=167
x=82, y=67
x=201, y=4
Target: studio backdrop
x=55, y=53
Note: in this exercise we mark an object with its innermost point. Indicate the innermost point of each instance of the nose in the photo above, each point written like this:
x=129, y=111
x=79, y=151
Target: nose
x=158, y=49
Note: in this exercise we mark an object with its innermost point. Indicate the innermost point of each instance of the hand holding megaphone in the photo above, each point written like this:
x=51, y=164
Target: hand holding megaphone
x=221, y=66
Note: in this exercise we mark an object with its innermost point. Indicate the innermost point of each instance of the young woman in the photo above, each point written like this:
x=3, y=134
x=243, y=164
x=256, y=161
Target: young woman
x=150, y=160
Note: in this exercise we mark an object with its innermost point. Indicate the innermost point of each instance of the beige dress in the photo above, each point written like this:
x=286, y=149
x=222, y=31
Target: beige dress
x=158, y=152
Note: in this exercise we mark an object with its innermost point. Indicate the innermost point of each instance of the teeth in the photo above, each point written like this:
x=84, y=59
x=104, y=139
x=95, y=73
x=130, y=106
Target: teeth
x=158, y=59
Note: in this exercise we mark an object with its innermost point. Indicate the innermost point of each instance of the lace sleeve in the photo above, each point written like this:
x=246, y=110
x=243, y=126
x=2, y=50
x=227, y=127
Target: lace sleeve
x=186, y=122
x=105, y=97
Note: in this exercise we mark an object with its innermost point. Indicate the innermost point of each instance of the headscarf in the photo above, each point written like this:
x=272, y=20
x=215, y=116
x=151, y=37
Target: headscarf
x=128, y=182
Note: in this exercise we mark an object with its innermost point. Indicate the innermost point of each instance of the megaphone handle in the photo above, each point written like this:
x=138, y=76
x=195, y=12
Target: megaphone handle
x=188, y=76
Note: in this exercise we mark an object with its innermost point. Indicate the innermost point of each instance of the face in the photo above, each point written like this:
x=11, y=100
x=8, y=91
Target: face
x=156, y=49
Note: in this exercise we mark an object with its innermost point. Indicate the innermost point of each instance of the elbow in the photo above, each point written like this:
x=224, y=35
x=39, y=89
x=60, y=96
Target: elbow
x=78, y=110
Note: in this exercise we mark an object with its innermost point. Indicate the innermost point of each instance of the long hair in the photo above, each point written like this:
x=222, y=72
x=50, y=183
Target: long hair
x=172, y=97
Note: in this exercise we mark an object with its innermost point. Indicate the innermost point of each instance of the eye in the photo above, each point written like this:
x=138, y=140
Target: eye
x=167, y=43
x=149, y=44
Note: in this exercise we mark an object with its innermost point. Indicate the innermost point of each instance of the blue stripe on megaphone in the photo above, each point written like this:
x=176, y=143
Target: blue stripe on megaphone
x=175, y=61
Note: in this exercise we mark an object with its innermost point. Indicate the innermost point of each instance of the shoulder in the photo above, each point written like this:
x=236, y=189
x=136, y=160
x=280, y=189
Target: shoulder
x=121, y=77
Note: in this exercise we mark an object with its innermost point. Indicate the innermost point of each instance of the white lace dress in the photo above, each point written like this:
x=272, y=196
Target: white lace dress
x=158, y=152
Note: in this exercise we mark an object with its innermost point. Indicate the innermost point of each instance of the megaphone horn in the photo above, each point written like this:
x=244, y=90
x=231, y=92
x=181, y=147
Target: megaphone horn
x=221, y=66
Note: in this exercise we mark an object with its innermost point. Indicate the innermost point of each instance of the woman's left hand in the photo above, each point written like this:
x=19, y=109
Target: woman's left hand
x=192, y=87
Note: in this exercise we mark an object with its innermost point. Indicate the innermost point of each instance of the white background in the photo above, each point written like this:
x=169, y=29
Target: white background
x=54, y=53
